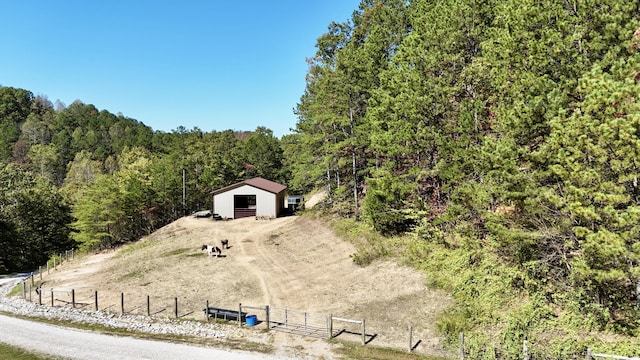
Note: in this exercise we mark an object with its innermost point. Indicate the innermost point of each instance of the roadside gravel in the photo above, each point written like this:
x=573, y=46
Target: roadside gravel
x=17, y=305
x=70, y=343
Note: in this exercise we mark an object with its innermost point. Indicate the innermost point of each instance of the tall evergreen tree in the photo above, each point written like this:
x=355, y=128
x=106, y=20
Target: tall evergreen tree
x=593, y=151
x=332, y=112
x=427, y=114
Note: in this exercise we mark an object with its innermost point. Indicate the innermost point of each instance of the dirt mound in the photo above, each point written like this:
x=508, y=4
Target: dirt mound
x=315, y=199
x=292, y=262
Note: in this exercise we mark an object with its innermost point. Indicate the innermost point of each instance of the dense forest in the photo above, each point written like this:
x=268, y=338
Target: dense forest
x=79, y=177
x=498, y=141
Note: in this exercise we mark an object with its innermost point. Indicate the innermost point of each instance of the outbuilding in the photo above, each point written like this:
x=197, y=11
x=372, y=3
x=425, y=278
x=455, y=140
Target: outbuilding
x=254, y=197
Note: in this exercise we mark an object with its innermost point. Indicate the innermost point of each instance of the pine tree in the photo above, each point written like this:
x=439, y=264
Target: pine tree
x=593, y=153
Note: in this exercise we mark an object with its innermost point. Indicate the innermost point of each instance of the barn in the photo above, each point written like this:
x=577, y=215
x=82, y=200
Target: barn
x=253, y=197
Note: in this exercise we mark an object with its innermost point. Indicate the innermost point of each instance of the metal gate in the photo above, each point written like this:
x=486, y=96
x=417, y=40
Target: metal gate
x=299, y=322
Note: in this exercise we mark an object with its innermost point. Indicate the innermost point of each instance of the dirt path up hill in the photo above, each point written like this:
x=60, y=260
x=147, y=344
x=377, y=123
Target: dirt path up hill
x=293, y=262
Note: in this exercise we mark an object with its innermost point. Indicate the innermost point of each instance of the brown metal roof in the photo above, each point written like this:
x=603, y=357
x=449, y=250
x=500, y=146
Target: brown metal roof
x=257, y=182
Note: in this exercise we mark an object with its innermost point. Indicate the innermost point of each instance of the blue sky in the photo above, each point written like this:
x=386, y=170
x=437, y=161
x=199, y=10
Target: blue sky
x=215, y=65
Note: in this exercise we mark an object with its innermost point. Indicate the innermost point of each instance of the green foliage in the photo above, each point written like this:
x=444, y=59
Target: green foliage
x=358, y=352
x=386, y=205
x=334, y=134
x=95, y=212
x=262, y=155
x=8, y=249
x=593, y=171
x=45, y=160
x=503, y=136
x=369, y=244
x=82, y=172
x=34, y=220
x=8, y=352
x=113, y=208
x=15, y=105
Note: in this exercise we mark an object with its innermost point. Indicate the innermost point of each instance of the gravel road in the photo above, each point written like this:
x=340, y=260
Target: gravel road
x=79, y=344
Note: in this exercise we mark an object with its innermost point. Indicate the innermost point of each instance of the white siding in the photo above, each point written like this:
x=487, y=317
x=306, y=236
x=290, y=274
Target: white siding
x=223, y=204
x=265, y=201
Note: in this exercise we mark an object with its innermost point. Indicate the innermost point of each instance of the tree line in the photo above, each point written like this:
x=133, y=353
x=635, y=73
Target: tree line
x=506, y=129
x=92, y=179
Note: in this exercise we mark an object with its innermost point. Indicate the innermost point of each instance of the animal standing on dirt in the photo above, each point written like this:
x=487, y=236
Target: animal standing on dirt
x=225, y=243
x=211, y=249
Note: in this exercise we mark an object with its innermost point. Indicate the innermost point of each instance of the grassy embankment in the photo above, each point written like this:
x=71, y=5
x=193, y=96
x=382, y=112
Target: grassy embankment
x=498, y=305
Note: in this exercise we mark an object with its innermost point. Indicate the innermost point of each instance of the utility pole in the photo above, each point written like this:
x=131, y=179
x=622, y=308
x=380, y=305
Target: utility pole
x=184, y=192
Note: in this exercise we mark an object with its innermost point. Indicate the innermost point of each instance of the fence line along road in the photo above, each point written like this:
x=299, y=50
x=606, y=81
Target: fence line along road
x=294, y=321
x=298, y=322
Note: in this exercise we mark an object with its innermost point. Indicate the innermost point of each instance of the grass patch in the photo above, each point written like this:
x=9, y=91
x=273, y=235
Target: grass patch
x=369, y=244
x=9, y=352
x=498, y=305
x=178, y=252
x=352, y=351
x=135, y=274
x=135, y=246
x=17, y=290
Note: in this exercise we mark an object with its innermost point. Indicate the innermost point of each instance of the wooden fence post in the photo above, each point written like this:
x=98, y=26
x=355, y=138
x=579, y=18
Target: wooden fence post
x=266, y=309
x=206, y=311
x=40, y=297
x=96, y=297
x=461, y=345
x=410, y=339
x=240, y=315
x=525, y=350
x=40, y=271
x=54, y=262
x=364, y=336
x=588, y=354
x=330, y=327
x=73, y=298
x=121, y=304
x=148, y=305
x=176, y=307
x=51, y=297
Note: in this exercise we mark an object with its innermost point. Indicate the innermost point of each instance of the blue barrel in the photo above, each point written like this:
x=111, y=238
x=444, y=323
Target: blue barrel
x=252, y=320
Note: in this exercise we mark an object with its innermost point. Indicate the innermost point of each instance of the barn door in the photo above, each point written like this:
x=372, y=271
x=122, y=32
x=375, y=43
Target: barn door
x=244, y=206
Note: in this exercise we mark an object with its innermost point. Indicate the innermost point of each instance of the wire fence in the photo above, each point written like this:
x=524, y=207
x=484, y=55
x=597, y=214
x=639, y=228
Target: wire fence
x=294, y=321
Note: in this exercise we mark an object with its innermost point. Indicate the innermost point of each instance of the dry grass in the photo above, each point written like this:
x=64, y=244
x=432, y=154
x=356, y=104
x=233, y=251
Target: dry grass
x=293, y=262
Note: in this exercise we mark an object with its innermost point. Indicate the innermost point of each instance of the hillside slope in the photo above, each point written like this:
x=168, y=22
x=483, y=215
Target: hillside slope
x=292, y=262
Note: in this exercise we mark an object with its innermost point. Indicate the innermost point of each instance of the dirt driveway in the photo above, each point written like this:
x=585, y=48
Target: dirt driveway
x=293, y=262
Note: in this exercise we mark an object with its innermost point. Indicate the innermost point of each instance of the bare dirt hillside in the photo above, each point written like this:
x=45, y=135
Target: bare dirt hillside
x=293, y=262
